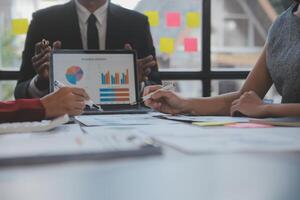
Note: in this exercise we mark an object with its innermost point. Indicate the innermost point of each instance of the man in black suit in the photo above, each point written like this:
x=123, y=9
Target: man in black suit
x=83, y=24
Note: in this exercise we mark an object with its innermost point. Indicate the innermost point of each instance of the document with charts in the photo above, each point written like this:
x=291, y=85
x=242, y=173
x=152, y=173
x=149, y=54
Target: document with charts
x=108, y=78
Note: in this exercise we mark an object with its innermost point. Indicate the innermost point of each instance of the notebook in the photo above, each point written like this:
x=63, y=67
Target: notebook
x=109, y=77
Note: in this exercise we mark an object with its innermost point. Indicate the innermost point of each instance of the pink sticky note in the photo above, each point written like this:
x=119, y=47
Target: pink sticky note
x=191, y=45
x=248, y=125
x=173, y=19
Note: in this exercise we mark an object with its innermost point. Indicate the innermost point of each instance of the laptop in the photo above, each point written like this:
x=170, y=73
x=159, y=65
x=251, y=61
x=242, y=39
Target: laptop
x=109, y=77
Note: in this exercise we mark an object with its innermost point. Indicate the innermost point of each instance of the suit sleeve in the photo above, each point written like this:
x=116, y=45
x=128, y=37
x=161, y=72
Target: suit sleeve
x=22, y=110
x=149, y=49
x=27, y=71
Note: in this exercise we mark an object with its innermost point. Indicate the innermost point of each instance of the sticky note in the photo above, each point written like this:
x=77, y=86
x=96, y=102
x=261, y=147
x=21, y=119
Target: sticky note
x=248, y=125
x=211, y=123
x=193, y=20
x=20, y=26
x=153, y=17
x=191, y=45
x=167, y=45
x=173, y=19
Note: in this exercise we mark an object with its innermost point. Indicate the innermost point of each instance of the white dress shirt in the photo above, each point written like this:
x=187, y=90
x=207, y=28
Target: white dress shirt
x=101, y=16
x=83, y=16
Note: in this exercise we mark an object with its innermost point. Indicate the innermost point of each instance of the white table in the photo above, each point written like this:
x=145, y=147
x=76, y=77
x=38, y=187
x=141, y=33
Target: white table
x=172, y=176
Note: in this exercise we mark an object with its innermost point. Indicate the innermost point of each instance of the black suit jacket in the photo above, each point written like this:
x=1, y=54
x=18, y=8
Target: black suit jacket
x=61, y=23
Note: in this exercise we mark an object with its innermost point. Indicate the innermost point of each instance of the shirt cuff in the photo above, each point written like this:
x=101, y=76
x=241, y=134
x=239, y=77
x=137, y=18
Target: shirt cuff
x=17, y=111
x=33, y=91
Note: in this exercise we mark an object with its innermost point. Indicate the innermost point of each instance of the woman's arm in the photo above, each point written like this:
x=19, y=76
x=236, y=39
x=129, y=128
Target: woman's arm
x=66, y=100
x=258, y=80
x=22, y=110
x=282, y=110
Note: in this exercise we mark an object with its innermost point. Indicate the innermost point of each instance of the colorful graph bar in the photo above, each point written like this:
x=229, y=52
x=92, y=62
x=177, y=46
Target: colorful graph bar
x=114, y=95
x=115, y=79
x=114, y=90
x=115, y=100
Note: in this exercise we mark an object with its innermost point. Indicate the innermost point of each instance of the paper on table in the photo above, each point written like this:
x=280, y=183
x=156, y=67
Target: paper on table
x=119, y=120
x=285, y=121
x=108, y=143
x=62, y=140
x=67, y=129
x=173, y=130
x=186, y=118
x=211, y=123
x=233, y=140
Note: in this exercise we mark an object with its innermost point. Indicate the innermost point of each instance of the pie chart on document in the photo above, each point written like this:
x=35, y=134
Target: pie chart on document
x=74, y=74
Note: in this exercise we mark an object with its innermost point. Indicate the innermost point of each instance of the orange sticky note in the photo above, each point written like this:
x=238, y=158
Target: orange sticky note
x=153, y=17
x=167, y=45
x=191, y=45
x=20, y=26
x=193, y=19
x=173, y=19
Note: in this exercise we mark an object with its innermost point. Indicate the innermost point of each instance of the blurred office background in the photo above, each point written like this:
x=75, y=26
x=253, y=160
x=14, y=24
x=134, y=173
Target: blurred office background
x=238, y=32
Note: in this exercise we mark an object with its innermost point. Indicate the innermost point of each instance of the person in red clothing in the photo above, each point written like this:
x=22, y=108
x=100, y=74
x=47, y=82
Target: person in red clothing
x=66, y=100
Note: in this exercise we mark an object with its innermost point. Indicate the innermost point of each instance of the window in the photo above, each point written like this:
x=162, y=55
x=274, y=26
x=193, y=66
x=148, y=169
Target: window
x=16, y=15
x=238, y=32
x=234, y=33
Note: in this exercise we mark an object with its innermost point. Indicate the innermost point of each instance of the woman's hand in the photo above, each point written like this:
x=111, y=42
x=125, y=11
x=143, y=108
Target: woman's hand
x=249, y=104
x=66, y=100
x=165, y=101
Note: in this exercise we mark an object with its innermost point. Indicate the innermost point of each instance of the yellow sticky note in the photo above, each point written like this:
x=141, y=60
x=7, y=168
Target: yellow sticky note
x=153, y=17
x=193, y=19
x=167, y=45
x=20, y=26
x=211, y=123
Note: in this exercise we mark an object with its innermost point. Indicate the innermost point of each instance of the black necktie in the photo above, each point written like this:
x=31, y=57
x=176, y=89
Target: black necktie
x=92, y=33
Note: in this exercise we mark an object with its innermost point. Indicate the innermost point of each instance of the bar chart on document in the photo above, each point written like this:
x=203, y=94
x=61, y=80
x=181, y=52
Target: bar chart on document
x=107, y=78
x=115, y=88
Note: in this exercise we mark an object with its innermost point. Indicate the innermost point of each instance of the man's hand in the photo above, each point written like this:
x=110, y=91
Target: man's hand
x=249, y=104
x=145, y=65
x=41, y=59
x=164, y=100
x=66, y=100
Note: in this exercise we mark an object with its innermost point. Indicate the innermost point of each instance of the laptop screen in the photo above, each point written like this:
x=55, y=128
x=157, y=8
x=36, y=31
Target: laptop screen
x=109, y=77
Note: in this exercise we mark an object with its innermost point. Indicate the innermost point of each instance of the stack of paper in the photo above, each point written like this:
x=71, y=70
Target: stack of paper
x=65, y=145
x=229, y=140
x=120, y=120
x=212, y=119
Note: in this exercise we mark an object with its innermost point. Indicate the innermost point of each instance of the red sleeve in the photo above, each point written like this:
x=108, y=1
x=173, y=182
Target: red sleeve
x=22, y=110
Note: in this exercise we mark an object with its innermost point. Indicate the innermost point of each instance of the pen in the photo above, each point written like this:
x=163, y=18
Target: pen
x=167, y=87
x=89, y=102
